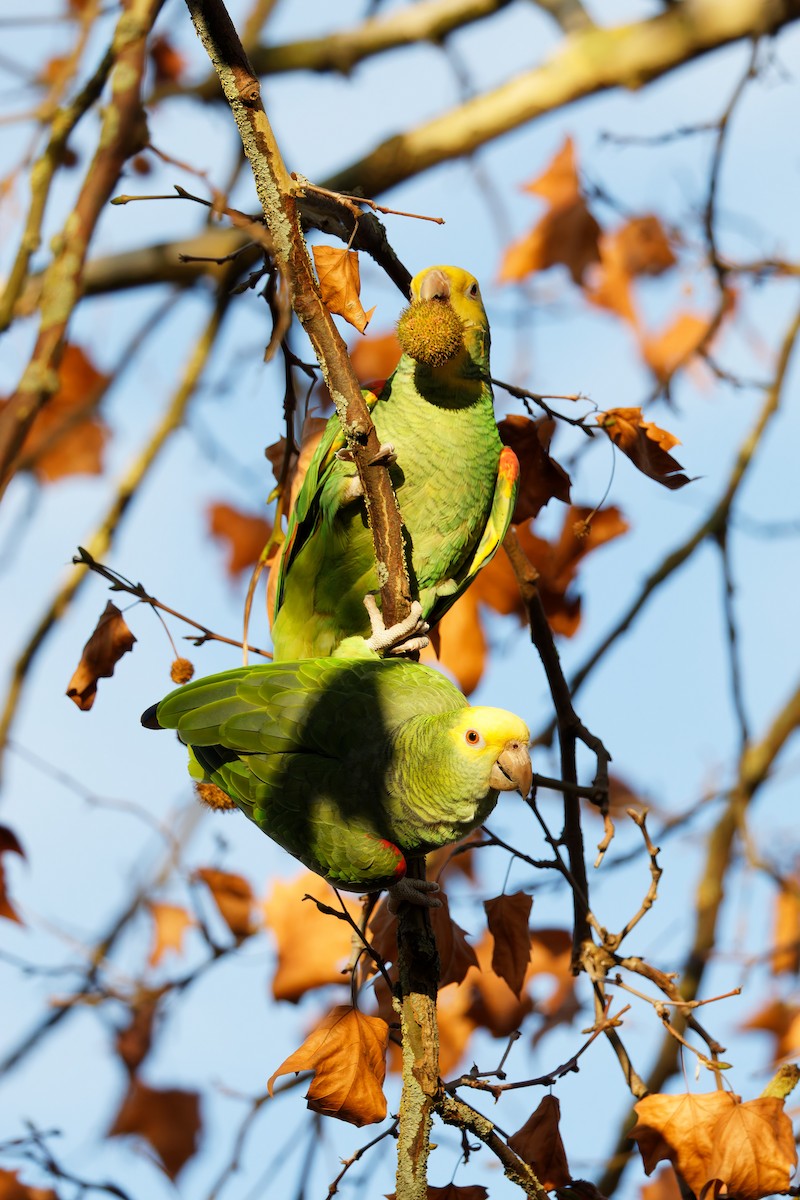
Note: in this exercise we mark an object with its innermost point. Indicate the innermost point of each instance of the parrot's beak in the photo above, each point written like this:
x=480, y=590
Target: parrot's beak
x=435, y=286
x=513, y=769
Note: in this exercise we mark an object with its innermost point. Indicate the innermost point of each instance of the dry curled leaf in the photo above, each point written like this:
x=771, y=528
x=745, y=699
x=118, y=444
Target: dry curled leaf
x=313, y=947
x=133, y=1041
x=340, y=284
x=244, y=534
x=539, y=1144
x=541, y=478
x=754, y=1153
x=492, y=1004
x=347, y=1053
x=9, y=843
x=507, y=917
x=168, y=1119
x=680, y=1129
x=110, y=640
x=233, y=897
x=645, y=445
x=458, y=642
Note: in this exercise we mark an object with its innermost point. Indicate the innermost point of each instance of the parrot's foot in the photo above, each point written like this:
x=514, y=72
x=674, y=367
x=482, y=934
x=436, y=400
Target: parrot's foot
x=385, y=456
x=419, y=892
x=403, y=638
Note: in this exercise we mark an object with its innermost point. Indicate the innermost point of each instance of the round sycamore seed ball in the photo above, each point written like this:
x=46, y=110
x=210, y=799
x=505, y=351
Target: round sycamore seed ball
x=181, y=670
x=430, y=331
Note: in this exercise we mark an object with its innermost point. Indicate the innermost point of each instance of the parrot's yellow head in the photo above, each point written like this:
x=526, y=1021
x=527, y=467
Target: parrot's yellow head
x=497, y=741
x=456, y=286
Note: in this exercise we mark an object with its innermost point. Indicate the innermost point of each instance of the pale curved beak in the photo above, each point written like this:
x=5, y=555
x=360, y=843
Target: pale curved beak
x=435, y=286
x=513, y=770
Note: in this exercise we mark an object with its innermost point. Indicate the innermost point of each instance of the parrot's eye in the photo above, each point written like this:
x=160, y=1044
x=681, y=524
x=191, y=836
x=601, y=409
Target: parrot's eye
x=473, y=290
x=473, y=738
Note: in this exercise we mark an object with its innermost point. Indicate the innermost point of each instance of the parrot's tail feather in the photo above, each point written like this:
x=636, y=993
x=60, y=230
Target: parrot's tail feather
x=149, y=718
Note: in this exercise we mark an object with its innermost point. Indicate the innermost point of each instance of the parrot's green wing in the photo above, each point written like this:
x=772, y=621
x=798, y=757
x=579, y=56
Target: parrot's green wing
x=302, y=749
x=455, y=494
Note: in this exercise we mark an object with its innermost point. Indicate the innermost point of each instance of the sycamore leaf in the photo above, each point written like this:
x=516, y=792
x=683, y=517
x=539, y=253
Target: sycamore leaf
x=374, y=358
x=507, y=918
x=312, y=946
x=644, y=444
x=539, y=1144
x=340, y=284
x=110, y=640
x=67, y=437
x=541, y=477
x=11, y=1188
x=492, y=1003
x=168, y=1119
x=8, y=844
x=558, y=183
x=644, y=247
x=551, y=954
x=753, y=1151
x=786, y=930
x=170, y=923
x=456, y=956
x=681, y=1129
x=244, y=535
x=347, y=1052
x=665, y=352
x=568, y=235
x=233, y=897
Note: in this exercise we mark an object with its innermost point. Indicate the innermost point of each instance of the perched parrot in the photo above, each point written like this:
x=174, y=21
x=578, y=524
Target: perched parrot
x=455, y=482
x=350, y=763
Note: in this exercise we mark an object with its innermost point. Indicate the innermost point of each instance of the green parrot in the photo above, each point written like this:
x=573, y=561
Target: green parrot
x=350, y=763
x=455, y=482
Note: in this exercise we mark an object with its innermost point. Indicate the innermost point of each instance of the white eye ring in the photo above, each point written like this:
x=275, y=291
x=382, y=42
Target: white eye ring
x=473, y=738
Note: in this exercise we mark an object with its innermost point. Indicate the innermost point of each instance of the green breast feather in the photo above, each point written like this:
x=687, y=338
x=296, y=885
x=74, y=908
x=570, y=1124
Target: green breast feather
x=455, y=483
x=349, y=764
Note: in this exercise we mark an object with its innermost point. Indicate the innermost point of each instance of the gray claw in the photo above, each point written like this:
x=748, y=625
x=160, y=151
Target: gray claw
x=419, y=892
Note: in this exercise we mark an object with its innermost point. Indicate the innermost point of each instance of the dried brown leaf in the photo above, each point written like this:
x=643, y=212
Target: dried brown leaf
x=456, y=956
x=558, y=183
x=233, y=897
x=539, y=1144
x=347, y=1052
x=568, y=235
x=110, y=640
x=782, y=1020
x=644, y=444
x=313, y=947
x=541, y=477
x=492, y=1004
x=644, y=247
x=458, y=642
x=753, y=1151
x=244, y=534
x=11, y=1188
x=681, y=1129
x=675, y=345
x=375, y=357
x=169, y=63
x=340, y=284
x=168, y=1119
x=786, y=930
x=170, y=923
x=133, y=1041
x=507, y=918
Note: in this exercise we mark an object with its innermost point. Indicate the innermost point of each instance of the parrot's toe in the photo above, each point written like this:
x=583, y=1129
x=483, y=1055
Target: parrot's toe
x=403, y=638
x=419, y=892
x=385, y=456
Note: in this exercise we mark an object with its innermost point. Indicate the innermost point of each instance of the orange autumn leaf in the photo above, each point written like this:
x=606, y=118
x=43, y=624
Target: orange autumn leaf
x=782, y=1020
x=12, y=1188
x=456, y=1027
x=312, y=946
x=170, y=923
x=110, y=640
x=664, y=1186
x=541, y=477
x=665, y=352
x=67, y=437
x=645, y=444
x=786, y=930
x=539, y=1144
x=375, y=357
x=456, y=955
x=133, y=1041
x=753, y=1152
x=168, y=1119
x=492, y=1004
x=244, y=535
x=507, y=919
x=340, y=284
x=458, y=642
x=9, y=843
x=347, y=1053
x=567, y=233
x=644, y=247
x=233, y=897
x=680, y=1129
x=169, y=63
